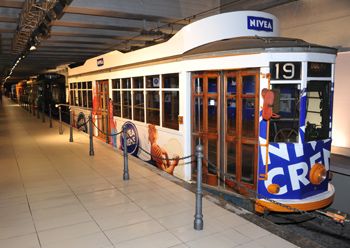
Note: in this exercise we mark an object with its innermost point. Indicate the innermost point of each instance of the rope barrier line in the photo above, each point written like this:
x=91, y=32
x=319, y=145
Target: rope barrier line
x=110, y=135
x=255, y=195
x=164, y=159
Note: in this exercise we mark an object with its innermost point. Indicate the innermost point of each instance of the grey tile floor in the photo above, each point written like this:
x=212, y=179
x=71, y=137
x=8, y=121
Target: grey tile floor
x=53, y=194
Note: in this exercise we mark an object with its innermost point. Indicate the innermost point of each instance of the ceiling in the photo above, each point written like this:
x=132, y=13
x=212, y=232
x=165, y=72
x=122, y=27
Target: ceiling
x=87, y=28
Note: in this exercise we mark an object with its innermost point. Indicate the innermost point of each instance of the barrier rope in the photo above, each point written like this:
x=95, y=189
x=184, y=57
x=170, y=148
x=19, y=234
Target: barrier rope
x=109, y=135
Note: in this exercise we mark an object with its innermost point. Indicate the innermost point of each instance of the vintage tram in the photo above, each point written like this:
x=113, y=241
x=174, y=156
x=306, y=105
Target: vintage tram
x=260, y=104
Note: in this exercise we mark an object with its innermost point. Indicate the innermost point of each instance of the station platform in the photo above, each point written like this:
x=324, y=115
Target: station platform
x=53, y=194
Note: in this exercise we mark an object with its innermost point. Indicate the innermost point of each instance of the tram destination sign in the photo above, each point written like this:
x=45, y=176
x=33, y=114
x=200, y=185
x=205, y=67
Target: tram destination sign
x=285, y=70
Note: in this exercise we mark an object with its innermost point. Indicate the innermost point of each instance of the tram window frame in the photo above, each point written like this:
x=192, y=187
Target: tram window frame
x=89, y=94
x=116, y=91
x=170, y=118
x=126, y=98
x=320, y=106
x=285, y=128
x=138, y=96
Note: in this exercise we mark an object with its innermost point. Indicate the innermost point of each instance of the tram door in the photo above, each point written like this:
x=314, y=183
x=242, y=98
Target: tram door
x=102, y=98
x=225, y=119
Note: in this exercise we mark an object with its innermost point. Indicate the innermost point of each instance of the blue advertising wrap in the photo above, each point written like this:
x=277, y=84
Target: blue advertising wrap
x=289, y=164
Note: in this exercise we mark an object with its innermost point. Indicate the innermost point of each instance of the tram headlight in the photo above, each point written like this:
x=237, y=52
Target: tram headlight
x=273, y=188
x=318, y=174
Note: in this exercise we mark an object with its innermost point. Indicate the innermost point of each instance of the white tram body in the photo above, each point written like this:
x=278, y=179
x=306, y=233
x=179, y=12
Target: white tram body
x=207, y=82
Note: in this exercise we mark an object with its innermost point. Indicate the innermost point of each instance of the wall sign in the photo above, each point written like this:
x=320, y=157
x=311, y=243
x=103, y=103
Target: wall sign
x=260, y=23
x=100, y=62
x=285, y=70
x=132, y=138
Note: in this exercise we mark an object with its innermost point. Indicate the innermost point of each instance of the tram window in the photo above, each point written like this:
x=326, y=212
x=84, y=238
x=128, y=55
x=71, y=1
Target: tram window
x=212, y=156
x=171, y=109
x=72, y=100
x=212, y=114
x=231, y=158
x=170, y=80
x=89, y=85
x=152, y=107
x=317, y=110
x=116, y=103
x=89, y=98
x=231, y=116
x=84, y=99
x=84, y=85
x=231, y=85
x=139, y=106
x=79, y=85
x=127, y=104
x=248, y=117
x=115, y=83
x=137, y=82
x=198, y=85
x=212, y=85
x=248, y=84
x=152, y=81
x=126, y=83
x=247, y=163
x=286, y=104
x=198, y=112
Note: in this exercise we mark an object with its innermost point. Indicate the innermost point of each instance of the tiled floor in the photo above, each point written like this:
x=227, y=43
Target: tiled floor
x=53, y=194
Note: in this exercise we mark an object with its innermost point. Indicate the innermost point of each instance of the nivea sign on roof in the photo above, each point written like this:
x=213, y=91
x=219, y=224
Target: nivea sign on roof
x=260, y=23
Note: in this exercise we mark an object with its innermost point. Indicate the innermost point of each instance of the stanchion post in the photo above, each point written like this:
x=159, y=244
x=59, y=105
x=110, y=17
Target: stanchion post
x=91, y=138
x=70, y=126
x=198, y=217
x=126, y=166
x=33, y=108
x=43, y=111
x=107, y=119
x=60, y=130
x=50, y=115
x=37, y=112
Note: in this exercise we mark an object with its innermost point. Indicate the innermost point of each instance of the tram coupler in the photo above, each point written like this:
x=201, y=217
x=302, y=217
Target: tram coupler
x=338, y=217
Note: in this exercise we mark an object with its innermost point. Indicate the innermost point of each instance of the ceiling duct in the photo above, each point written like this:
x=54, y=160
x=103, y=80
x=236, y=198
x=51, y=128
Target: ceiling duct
x=35, y=21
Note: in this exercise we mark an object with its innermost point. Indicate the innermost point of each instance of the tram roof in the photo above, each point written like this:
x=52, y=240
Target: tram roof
x=260, y=44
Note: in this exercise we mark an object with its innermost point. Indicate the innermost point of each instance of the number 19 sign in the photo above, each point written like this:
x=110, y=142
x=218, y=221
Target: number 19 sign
x=285, y=70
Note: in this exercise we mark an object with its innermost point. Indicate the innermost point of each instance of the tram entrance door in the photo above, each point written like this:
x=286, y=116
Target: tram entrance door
x=225, y=121
x=102, y=94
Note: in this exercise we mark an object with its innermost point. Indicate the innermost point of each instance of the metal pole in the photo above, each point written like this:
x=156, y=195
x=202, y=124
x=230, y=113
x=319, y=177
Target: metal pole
x=43, y=111
x=60, y=130
x=50, y=115
x=198, y=217
x=91, y=138
x=71, y=126
x=126, y=166
x=33, y=108
x=107, y=119
x=37, y=112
